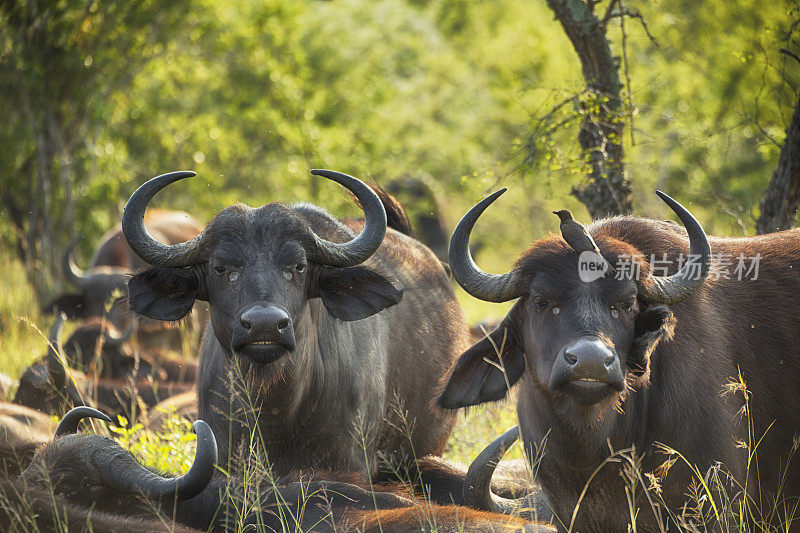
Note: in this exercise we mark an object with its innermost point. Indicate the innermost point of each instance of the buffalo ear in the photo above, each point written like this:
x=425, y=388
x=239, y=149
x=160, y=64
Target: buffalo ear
x=477, y=376
x=73, y=305
x=163, y=293
x=354, y=293
x=650, y=326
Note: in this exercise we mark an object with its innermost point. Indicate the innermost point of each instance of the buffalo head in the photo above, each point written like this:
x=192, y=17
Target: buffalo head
x=94, y=471
x=578, y=341
x=95, y=287
x=257, y=268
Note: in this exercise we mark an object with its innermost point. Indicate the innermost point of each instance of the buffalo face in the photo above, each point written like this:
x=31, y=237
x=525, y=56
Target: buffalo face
x=258, y=268
x=578, y=336
x=578, y=342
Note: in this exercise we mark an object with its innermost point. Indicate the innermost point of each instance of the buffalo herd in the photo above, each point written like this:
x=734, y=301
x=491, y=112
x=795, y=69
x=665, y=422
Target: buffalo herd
x=654, y=389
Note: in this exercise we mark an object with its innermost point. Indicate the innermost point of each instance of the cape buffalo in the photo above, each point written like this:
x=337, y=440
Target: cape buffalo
x=92, y=471
x=337, y=364
x=641, y=360
x=97, y=346
x=50, y=386
x=112, y=263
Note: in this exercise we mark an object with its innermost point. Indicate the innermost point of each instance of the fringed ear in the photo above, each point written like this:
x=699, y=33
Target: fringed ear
x=354, y=293
x=651, y=325
x=165, y=293
x=485, y=372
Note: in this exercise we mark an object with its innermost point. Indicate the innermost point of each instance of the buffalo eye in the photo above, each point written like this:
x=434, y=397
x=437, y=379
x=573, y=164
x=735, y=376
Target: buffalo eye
x=626, y=306
x=219, y=270
x=297, y=269
x=540, y=303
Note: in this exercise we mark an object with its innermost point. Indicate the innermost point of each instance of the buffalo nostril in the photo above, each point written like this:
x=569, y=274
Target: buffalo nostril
x=610, y=360
x=570, y=358
x=246, y=324
x=283, y=324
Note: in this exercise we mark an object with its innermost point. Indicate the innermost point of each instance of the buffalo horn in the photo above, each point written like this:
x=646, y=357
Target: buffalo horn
x=72, y=273
x=367, y=242
x=477, y=491
x=677, y=287
x=121, y=471
x=69, y=424
x=487, y=287
x=139, y=239
x=55, y=365
x=113, y=341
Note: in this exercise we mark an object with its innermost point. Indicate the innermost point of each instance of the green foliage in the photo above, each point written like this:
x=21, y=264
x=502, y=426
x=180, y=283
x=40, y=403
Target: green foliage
x=255, y=93
x=23, y=333
x=169, y=448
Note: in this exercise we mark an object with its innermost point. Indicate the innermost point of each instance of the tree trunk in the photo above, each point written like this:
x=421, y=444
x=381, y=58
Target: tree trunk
x=779, y=206
x=608, y=190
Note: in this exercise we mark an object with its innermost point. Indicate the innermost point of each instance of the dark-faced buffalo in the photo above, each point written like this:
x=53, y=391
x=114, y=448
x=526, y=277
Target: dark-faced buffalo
x=49, y=385
x=641, y=360
x=326, y=338
x=111, y=265
x=93, y=472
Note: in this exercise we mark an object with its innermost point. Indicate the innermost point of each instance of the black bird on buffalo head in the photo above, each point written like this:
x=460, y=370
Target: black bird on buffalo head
x=577, y=236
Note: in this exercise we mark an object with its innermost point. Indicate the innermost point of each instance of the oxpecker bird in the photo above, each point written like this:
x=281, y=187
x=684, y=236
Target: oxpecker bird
x=577, y=236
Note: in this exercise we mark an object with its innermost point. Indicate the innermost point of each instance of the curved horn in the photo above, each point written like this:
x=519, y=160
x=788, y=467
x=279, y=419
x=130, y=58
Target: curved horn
x=55, y=365
x=367, y=242
x=121, y=471
x=112, y=342
x=73, y=274
x=487, y=287
x=142, y=243
x=69, y=424
x=477, y=490
x=677, y=287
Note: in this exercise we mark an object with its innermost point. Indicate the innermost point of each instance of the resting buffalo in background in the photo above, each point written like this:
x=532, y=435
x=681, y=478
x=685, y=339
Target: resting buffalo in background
x=634, y=361
x=427, y=212
x=97, y=346
x=93, y=472
x=183, y=405
x=80, y=482
x=112, y=263
x=22, y=430
x=50, y=386
x=336, y=335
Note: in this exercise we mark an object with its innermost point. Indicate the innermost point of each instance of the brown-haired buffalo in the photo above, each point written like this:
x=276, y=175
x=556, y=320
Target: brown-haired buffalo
x=340, y=329
x=629, y=360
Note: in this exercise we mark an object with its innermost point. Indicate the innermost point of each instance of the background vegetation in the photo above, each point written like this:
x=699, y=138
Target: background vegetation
x=96, y=97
